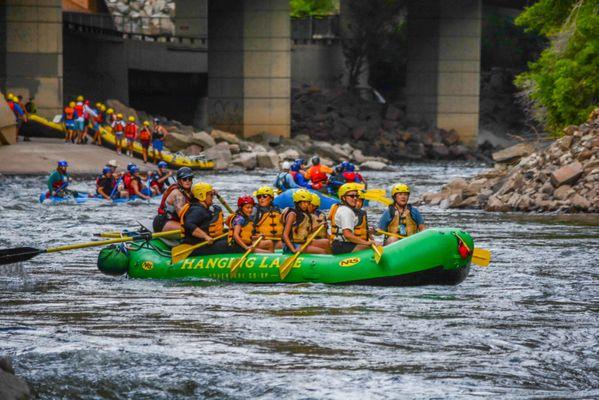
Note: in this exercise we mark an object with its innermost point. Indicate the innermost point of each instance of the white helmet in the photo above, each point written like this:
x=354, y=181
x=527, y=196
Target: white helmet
x=286, y=165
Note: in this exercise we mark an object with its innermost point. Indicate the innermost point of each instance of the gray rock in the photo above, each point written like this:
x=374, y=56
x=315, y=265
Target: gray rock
x=235, y=148
x=119, y=107
x=289, y=154
x=513, y=153
x=246, y=160
x=221, y=154
x=221, y=136
x=439, y=150
x=193, y=150
x=268, y=160
x=375, y=166
x=580, y=202
x=358, y=156
x=13, y=387
x=203, y=139
x=566, y=174
x=177, y=141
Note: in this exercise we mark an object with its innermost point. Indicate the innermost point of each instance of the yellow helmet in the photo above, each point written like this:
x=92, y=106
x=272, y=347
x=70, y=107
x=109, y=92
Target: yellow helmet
x=102, y=107
x=400, y=188
x=265, y=190
x=110, y=111
x=72, y=104
x=119, y=115
x=146, y=123
x=315, y=200
x=131, y=119
x=302, y=195
x=98, y=105
x=200, y=190
x=10, y=96
x=349, y=187
x=79, y=98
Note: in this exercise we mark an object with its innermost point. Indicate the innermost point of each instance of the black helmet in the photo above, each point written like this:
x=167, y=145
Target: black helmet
x=315, y=160
x=184, y=172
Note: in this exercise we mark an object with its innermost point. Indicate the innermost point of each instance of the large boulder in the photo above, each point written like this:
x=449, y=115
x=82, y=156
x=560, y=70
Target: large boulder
x=513, y=153
x=11, y=386
x=203, y=139
x=375, y=166
x=566, y=174
x=289, y=154
x=220, y=154
x=268, y=160
x=222, y=136
x=119, y=107
x=246, y=160
x=177, y=141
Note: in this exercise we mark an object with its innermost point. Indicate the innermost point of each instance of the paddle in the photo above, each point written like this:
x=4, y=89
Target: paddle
x=242, y=259
x=378, y=252
x=114, y=189
x=480, y=257
x=379, y=198
x=182, y=251
x=117, y=234
x=224, y=203
x=396, y=235
x=288, y=264
x=20, y=254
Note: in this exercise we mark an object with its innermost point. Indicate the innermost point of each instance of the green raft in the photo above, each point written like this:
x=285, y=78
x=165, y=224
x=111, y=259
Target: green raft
x=427, y=258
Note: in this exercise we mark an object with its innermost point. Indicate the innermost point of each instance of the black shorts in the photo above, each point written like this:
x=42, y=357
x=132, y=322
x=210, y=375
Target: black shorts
x=221, y=246
x=159, y=221
x=342, y=247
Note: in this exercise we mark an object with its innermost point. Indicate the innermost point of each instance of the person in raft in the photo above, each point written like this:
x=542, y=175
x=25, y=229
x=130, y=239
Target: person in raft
x=298, y=226
x=401, y=218
x=344, y=222
x=202, y=221
x=135, y=186
x=241, y=233
x=318, y=217
x=174, y=199
x=107, y=185
x=59, y=180
x=267, y=217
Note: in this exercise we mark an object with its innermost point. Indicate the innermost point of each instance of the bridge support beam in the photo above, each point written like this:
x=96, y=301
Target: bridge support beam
x=443, y=77
x=249, y=66
x=31, y=52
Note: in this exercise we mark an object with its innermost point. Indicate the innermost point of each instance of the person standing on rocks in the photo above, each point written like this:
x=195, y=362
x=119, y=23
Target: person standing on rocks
x=145, y=136
x=401, y=219
x=130, y=134
x=68, y=117
x=19, y=113
x=158, y=135
x=118, y=127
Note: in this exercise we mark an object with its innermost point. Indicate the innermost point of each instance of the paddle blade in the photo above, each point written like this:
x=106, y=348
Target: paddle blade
x=286, y=267
x=378, y=253
x=378, y=198
x=481, y=257
x=18, y=254
x=181, y=252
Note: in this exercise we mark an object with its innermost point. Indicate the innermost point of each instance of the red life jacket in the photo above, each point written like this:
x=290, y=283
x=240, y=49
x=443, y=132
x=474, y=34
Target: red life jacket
x=118, y=126
x=79, y=110
x=130, y=130
x=69, y=113
x=129, y=185
x=145, y=135
x=349, y=176
x=316, y=174
x=127, y=179
x=162, y=206
x=11, y=105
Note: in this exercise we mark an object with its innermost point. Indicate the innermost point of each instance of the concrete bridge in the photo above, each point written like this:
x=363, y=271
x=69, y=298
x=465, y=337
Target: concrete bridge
x=243, y=49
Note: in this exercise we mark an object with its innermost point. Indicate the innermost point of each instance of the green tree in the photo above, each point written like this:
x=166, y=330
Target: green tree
x=305, y=8
x=563, y=84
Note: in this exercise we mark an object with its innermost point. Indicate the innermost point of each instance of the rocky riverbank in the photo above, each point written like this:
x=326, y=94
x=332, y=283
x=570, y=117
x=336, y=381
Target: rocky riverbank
x=11, y=386
x=562, y=176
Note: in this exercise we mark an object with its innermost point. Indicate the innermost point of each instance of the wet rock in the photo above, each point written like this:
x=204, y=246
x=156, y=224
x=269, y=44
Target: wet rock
x=246, y=160
x=235, y=148
x=374, y=166
x=566, y=174
x=513, y=153
x=268, y=160
x=289, y=155
x=11, y=386
x=203, y=139
x=220, y=136
x=221, y=154
x=439, y=150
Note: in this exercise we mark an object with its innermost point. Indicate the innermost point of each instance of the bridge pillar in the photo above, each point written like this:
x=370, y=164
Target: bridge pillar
x=31, y=52
x=249, y=66
x=443, y=77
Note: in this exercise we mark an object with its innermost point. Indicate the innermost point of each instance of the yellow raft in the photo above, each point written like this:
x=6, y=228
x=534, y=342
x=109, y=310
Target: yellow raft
x=175, y=160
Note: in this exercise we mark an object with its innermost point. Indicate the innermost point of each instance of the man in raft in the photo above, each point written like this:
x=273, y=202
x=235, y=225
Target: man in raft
x=348, y=233
x=298, y=226
x=59, y=180
x=267, y=217
x=202, y=221
x=175, y=197
x=241, y=234
x=134, y=185
x=160, y=176
x=401, y=218
x=107, y=185
x=317, y=174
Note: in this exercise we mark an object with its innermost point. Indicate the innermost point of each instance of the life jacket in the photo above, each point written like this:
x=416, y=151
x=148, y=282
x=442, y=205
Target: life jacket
x=247, y=229
x=405, y=218
x=215, y=227
x=361, y=229
x=167, y=209
x=58, y=184
x=127, y=179
x=268, y=223
x=129, y=185
x=281, y=182
x=11, y=104
x=130, y=130
x=99, y=117
x=119, y=126
x=319, y=218
x=160, y=185
x=106, y=184
x=302, y=226
x=145, y=135
x=79, y=110
x=350, y=177
x=316, y=174
x=336, y=234
x=69, y=113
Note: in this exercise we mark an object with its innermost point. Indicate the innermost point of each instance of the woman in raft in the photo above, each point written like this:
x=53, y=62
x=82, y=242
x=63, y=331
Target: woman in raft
x=299, y=225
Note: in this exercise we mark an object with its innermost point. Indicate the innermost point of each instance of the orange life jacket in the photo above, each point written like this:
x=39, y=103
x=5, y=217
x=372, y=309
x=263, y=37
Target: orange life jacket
x=247, y=230
x=69, y=113
x=269, y=224
x=145, y=135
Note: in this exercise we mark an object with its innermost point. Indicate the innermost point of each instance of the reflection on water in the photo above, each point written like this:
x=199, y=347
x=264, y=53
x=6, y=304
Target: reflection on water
x=524, y=327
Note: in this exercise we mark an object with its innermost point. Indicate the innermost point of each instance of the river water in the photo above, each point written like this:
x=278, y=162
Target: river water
x=527, y=326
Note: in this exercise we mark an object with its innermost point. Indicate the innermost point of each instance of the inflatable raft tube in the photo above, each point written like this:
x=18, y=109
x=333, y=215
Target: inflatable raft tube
x=430, y=257
x=85, y=198
x=285, y=199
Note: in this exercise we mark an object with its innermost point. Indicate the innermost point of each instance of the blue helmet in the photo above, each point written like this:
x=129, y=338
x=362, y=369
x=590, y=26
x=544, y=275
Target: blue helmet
x=134, y=168
x=351, y=167
x=106, y=170
x=300, y=161
x=162, y=164
x=63, y=163
x=345, y=165
x=295, y=166
x=130, y=165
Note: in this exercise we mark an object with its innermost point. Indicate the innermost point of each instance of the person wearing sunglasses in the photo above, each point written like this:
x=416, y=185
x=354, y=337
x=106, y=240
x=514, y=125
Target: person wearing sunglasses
x=174, y=198
x=401, y=218
x=318, y=217
x=267, y=217
x=202, y=221
x=298, y=226
x=344, y=221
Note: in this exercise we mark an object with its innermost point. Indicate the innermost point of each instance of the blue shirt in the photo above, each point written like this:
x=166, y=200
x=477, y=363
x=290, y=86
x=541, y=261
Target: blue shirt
x=301, y=181
x=285, y=181
x=386, y=217
x=17, y=110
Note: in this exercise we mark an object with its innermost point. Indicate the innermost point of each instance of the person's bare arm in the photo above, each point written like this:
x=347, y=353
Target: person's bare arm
x=287, y=231
x=349, y=235
x=178, y=201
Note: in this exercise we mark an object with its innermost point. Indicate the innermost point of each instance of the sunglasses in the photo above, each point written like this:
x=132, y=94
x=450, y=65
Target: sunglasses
x=187, y=179
x=262, y=196
x=353, y=196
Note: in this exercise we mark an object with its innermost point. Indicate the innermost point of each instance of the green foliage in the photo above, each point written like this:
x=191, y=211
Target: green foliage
x=305, y=8
x=563, y=83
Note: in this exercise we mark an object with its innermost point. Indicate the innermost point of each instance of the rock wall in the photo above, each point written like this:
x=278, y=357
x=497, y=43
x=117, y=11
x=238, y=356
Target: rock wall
x=143, y=16
x=563, y=176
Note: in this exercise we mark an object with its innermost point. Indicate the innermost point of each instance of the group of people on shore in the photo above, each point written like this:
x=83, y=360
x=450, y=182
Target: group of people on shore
x=20, y=110
x=191, y=208
x=113, y=184
x=81, y=119
x=317, y=176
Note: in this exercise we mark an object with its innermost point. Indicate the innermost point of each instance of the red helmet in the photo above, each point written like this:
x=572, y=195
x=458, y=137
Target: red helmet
x=245, y=200
x=86, y=102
